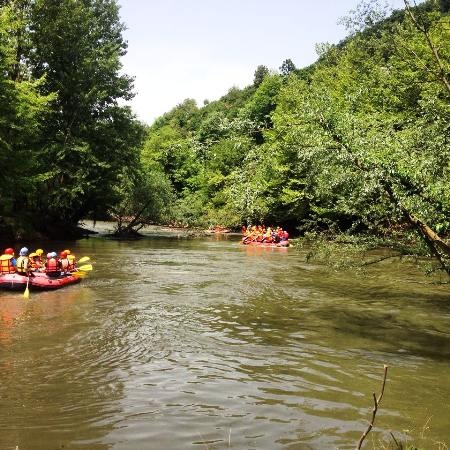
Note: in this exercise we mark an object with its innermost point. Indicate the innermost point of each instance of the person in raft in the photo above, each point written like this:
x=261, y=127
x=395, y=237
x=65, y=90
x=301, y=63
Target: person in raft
x=8, y=262
x=23, y=264
x=65, y=264
x=37, y=260
x=53, y=265
x=72, y=261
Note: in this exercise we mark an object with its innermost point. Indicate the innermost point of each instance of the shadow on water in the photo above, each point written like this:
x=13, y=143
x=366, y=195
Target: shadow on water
x=316, y=357
x=381, y=317
x=400, y=333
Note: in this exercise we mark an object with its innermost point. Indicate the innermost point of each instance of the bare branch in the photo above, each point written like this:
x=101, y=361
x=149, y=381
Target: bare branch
x=375, y=261
x=376, y=402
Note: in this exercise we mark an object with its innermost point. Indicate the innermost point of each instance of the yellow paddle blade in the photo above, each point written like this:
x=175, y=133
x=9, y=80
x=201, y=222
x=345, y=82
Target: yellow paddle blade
x=4, y=257
x=84, y=259
x=79, y=274
x=86, y=267
x=26, y=294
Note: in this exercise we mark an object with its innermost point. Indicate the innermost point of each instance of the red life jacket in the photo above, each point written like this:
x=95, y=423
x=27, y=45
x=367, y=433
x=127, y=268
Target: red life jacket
x=6, y=266
x=52, y=265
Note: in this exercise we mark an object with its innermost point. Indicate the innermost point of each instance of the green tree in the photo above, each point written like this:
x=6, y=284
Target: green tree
x=366, y=15
x=287, y=67
x=146, y=198
x=444, y=5
x=21, y=109
x=263, y=102
x=77, y=47
x=368, y=134
x=260, y=73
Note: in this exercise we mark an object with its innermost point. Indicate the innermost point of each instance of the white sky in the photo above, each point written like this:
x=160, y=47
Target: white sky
x=199, y=49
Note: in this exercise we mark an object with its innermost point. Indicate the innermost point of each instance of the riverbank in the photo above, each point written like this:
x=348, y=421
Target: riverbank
x=23, y=229
x=106, y=229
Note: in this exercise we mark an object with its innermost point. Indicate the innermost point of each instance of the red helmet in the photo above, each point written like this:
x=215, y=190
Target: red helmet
x=63, y=254
x=9, y=251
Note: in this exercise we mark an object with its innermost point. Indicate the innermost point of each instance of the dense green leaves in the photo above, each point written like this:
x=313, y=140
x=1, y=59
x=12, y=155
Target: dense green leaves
x=359, y=141
x=66, y=134
x=260, y=73
x=77, y=45
x=21, y=108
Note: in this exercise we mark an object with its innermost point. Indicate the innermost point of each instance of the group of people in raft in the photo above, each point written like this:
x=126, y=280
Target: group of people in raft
x=261, y=234
x=54, y=266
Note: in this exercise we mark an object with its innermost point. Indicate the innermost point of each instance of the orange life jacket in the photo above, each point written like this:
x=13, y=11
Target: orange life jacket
x=6, y=266
x=36, y=263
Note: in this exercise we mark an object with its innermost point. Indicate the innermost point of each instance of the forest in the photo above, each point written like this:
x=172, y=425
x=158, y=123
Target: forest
x=358, y=143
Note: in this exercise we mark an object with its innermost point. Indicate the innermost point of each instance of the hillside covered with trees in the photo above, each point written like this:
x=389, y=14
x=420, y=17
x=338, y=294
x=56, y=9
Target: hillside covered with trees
x=358, y=142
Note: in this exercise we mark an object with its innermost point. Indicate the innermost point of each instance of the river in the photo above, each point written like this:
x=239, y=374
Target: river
x=201, y=343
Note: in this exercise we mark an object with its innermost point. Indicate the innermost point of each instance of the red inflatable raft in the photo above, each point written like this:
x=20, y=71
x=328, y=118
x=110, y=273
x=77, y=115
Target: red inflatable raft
x=40, y=281
x=265, y=244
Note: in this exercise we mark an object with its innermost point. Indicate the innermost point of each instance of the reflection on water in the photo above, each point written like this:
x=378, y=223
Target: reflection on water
x=201, y=343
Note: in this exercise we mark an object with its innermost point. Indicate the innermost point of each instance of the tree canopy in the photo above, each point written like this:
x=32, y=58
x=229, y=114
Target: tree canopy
x=66, y=136
x=358, y=142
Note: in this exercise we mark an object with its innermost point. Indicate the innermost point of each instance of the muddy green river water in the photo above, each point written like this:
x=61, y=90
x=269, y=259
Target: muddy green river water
x=176, y=343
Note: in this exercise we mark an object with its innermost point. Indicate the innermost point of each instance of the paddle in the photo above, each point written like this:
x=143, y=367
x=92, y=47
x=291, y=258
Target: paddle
x=84, y=259
x=78, y=274
x=86, y=267
x=26, y=294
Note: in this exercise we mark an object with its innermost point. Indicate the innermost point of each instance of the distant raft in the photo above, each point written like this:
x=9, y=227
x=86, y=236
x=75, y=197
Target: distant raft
x=259, y=235
x=265, y=244
x=40, y=281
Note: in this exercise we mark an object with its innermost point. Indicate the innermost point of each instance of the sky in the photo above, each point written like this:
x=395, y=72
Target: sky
x=199, y=49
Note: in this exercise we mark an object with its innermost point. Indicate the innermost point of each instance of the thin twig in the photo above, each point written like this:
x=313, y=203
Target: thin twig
x=376, y=402
x=375, y=261
x=395, y=440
